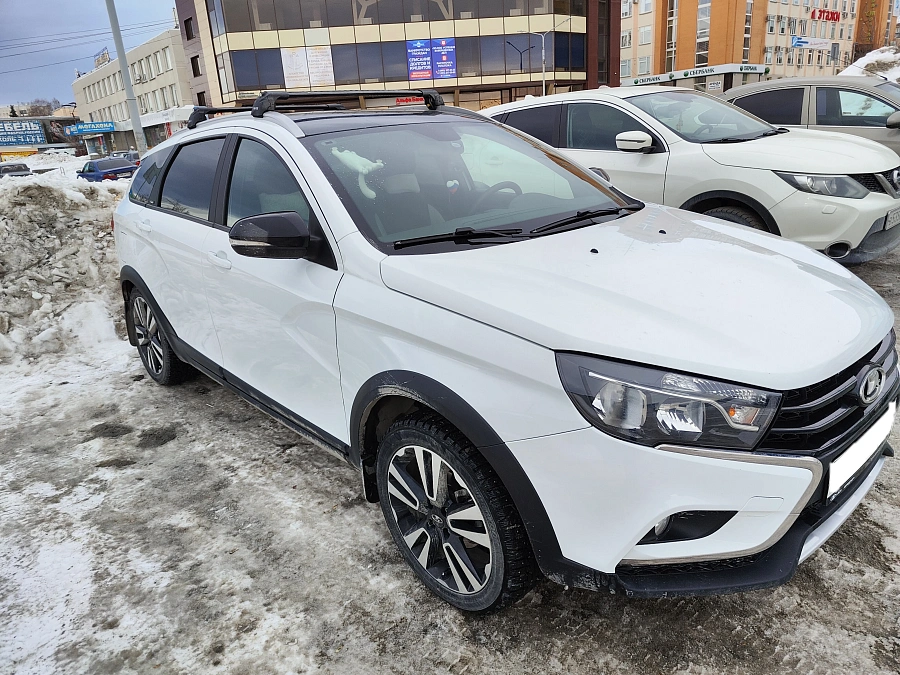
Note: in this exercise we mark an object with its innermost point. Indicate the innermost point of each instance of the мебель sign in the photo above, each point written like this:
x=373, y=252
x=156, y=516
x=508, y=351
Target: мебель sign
x=89, y=128
x=24, y=132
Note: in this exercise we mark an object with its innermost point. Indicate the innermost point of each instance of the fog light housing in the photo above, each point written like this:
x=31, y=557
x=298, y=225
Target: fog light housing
x=687, y=525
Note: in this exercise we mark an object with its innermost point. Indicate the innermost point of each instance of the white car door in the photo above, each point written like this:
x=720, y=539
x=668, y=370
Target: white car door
x=169, y=242
x=274, y=317
x=590, y=139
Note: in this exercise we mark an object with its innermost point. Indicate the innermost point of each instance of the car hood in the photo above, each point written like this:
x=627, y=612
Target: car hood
x=807, y=151
x=663, y=287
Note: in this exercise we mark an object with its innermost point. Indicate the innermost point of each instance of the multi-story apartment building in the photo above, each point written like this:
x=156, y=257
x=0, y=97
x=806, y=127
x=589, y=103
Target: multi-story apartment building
x=809, y=37
x=477, y=52
x=159, y=74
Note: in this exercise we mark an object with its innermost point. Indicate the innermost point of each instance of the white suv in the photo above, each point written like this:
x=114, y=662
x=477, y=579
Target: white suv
x=530, y=371
x=679, y=147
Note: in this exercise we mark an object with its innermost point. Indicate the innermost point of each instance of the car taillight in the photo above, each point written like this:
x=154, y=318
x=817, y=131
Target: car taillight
x=109, y=176
x=137, y=162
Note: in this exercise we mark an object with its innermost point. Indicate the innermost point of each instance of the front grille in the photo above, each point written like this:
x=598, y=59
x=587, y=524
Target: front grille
x=872, y=184
x=688, y=567
x=823, y=418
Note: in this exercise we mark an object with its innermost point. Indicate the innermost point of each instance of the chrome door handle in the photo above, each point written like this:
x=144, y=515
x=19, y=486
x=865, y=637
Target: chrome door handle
x=214, y=258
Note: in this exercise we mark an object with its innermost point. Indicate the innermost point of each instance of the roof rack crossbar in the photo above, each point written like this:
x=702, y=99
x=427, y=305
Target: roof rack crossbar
x=268, y=100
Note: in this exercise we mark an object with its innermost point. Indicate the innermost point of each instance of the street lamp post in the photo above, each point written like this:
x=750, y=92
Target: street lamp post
x=521, y=54
x=544, y=52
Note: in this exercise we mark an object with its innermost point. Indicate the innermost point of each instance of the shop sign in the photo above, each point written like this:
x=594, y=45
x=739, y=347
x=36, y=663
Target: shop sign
x=21, y=132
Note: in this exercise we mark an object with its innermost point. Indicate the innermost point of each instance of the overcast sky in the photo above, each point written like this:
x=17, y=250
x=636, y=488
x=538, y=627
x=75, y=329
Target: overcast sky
x=69, y=31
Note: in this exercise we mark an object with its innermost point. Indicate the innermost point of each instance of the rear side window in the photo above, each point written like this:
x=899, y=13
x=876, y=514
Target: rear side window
x=13, y=168
x=261, y=183
x=188, y=185
x=782, y=106
x=147, y=177
x=594, y=126
x=541, y=122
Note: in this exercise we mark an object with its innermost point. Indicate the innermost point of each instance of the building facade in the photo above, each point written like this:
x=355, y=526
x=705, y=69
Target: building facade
x=876, y=25
x=809, y=37
x=159, y=75
x=477, y=52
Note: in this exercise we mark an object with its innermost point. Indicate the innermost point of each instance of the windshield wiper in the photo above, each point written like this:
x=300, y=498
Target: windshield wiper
x=774, y=132
x=731, y=139
x=587, y=215
x=461, y=235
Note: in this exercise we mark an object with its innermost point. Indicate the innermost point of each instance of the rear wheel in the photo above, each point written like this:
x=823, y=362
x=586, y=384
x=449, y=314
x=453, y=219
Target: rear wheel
x=736, y=214
x=154, y=349
x=450, y=516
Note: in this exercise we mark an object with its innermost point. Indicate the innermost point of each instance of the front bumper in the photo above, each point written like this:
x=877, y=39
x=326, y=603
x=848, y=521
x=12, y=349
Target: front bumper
x=820, y=221
x=602, y=495
x=876, y=243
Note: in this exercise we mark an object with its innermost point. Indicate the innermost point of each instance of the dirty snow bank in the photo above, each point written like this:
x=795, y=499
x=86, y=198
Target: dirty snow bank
x=56, y=254
x=884, y=62
x=67, y=164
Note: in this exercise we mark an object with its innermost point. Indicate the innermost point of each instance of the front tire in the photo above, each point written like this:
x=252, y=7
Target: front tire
x=451, y=517
x=153, y=347
x=736, y=214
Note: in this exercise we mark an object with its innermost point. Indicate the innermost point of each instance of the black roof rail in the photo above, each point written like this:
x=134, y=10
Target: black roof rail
x=268, y=100
x=200, y=112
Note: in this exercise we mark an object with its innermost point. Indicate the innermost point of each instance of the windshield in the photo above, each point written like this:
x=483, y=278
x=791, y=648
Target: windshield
x=436, y=177
x=13, y=168
x=699, y=118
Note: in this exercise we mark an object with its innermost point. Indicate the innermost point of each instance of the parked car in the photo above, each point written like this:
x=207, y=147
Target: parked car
x=107, y=169
x=682, y=148
x=863, y=106
x=528, y=370
x=12, y=168
x=60, y=151
x=131, y=155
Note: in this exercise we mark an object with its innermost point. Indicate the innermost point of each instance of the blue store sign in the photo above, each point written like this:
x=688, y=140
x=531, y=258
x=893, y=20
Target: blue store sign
x=418, y=59
x=443, y=58
x=89, y=128
x=25, y=132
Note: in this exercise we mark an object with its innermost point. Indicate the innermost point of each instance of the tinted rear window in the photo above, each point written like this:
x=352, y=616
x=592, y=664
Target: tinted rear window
x=147, y=177
x=542, y=122
x=106, y=164
x=13, y=168
x=189, y=182
x=781, y=106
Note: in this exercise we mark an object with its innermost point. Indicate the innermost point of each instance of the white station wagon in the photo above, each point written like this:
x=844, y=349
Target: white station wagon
x=530, y=372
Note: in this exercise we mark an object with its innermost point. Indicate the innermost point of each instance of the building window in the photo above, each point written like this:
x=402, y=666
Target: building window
x=767, y=56
x=626, y=39
x=195, y=66
x=201, y=98
x=770, y=24
x=625, y=68
x=167, y=55
x=809, y=57
x=792, y=26
x=189, y=28
x=782, y=26
x=779, y=55
x=626, y=8
x=790, y=57
x=173, y=93
x=643, y=65
x=646, y=6
x=645, y=34
x=803, y=27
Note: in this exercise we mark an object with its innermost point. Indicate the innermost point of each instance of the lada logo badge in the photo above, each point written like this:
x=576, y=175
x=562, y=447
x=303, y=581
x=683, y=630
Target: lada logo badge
x=871, y=383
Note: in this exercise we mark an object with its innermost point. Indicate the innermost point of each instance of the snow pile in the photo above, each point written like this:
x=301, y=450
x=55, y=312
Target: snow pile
x=67, y=164
x=884, y=62
x=56, y=251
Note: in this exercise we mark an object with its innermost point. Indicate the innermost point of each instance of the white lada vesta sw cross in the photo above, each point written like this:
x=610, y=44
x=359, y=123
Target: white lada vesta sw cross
x=532, y=373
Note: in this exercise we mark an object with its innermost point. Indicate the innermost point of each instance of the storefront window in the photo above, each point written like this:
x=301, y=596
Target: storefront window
x=468, y=57
x=340, y=13
x=393, y=55
x=488, y=8
x=493, y=60
x=314, y=15
x=346, y=70
x=262, y=14
x=370, y=68
x=288, y=15
x=237, y=15
x=465, y=9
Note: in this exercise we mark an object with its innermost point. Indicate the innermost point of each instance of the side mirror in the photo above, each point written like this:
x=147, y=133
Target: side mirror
x=893, y=122
x=271, y=235
x=600, y=172
x=634, y=141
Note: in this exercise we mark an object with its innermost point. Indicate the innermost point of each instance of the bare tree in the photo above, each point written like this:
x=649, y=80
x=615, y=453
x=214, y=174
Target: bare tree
x=39, y=107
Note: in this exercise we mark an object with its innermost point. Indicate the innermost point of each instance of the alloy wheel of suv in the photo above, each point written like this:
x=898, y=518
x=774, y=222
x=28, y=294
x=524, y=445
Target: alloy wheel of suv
x=156, y=354
x=453, y=522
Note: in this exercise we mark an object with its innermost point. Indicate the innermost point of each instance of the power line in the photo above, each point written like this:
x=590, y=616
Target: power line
x=75, y=44
x=94, y=34
x=53, y=35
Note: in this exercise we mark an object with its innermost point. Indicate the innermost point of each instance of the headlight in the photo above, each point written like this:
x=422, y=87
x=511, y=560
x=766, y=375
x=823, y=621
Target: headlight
x=830, y=186
x=652, y=407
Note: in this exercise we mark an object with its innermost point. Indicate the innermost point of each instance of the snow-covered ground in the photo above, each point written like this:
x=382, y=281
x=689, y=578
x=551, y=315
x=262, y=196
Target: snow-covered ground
x=179, y=530
x=64, y=164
